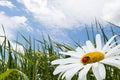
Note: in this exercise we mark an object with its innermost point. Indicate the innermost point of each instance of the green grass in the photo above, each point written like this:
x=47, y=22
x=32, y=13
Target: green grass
x=35, y=61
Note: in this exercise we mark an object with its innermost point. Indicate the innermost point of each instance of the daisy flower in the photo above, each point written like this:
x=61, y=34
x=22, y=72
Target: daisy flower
x=89, y=57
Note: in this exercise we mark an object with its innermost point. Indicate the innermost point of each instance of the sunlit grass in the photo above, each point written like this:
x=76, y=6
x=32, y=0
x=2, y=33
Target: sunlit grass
x=34, y=63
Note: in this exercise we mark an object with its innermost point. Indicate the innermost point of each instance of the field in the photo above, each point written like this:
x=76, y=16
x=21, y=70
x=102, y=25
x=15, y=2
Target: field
x=34, y=62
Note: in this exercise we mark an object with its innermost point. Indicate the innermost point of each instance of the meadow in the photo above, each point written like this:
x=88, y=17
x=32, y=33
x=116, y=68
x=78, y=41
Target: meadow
x=34, y=63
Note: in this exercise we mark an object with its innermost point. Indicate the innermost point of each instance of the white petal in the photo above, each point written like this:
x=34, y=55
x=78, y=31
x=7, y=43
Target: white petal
x=80, y=50
x=98, y=42
x=72, y=53
x=114, y=57
x=63, y=68
x=65, y=61
x=106, y=50
x=84, y=71
x=60, y=75
x=99, y=71
x=112, y=62
x=90, y=46
x=114, y=44
x=109, y=41
x=114, y=51
x=102, y=71
x=70, y=73
x=85, y=49
x=83, y=78
x=96, y=71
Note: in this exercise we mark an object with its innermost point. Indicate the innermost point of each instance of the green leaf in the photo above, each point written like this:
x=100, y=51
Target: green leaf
x=25, y=39
x=8, y=72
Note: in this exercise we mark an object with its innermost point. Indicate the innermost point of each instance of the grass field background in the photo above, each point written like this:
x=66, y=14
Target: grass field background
x=34, y=63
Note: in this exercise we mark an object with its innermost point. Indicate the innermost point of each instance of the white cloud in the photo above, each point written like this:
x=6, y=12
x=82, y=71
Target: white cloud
x=6, y=3
x=43, y=13
x=12, y=24
x=111, y=12
x=69, y=13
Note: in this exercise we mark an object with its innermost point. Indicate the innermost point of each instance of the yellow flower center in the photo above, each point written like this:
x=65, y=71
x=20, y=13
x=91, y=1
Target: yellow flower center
x=92, y=57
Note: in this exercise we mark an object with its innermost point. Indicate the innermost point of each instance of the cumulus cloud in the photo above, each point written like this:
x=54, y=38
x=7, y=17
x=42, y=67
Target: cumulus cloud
x=111, y=12
x=6, y=3
x=72, y=13
x=12, y=24
x=43, y=13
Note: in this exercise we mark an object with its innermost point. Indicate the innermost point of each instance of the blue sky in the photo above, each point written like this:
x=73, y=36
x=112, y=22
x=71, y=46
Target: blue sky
x=63, y=20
